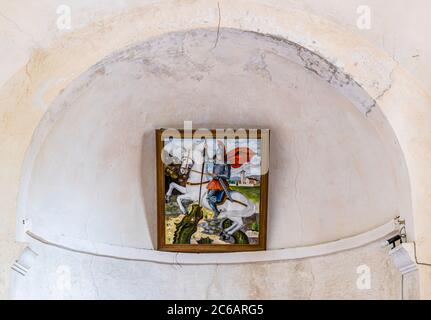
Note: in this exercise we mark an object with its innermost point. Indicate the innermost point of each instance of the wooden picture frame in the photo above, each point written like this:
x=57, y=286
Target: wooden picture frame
x=176, y=233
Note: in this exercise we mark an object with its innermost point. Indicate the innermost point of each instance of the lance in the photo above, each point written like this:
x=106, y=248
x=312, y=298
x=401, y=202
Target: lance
x=202, y=172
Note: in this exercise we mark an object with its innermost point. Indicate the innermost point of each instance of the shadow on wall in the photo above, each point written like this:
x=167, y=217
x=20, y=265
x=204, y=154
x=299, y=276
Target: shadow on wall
x=148, y=182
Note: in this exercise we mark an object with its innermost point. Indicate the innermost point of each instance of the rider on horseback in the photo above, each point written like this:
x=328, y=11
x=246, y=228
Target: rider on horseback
x=218, y=187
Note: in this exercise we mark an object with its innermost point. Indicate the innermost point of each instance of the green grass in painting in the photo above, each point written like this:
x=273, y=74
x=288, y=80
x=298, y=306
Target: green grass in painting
x=252, y=193
x=255, y=226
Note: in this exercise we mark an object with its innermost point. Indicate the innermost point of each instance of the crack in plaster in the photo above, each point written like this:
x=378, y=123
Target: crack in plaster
x=212, y=282
x=18, y=28
x=315, y=63
x=218, y=26
x=93, y=279
x=328, y=71
x=313, y=282
x=382, y=94
x=296, y=189
x=27, y=72
x=310, y=59
x=323, y=68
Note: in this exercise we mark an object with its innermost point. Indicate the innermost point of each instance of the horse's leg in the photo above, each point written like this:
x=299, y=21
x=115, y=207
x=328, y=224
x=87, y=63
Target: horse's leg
x=228, y=229
x=180, y=199
x=180, y=188
x=237, y=224
x=226, y=234
x=170, y=190
x=220, y=219
x=169, y=193
x=174, y=186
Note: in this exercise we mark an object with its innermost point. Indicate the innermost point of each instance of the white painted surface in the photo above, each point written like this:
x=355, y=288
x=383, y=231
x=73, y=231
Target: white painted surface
x=61, y=274
x=405, y=105
x=128, y=253
x=330, y=174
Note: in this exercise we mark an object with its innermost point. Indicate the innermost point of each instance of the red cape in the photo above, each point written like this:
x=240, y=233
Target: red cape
x=239, y=156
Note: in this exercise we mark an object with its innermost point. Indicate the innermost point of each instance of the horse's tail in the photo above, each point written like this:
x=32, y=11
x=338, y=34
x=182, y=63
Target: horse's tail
x=247, y=210
x=252, y=207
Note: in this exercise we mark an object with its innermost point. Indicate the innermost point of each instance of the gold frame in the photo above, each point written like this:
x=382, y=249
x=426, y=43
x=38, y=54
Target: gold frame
x=161, y=241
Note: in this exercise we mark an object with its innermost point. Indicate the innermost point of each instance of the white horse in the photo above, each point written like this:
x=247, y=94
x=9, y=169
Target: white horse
x=237, y=209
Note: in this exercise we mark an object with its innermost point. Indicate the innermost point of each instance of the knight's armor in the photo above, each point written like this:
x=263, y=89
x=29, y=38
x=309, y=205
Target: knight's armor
x=218, y=187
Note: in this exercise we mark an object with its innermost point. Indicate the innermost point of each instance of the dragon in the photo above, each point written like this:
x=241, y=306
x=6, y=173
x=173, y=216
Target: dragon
x=189, y=225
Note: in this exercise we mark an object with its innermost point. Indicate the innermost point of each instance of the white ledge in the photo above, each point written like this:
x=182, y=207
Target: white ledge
x=128, y=253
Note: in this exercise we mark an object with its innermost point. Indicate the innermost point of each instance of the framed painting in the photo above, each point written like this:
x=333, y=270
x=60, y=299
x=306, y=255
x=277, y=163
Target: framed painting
x=212, y=189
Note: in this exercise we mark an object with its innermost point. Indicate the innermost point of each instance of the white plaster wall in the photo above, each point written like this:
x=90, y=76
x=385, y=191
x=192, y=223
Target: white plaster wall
x=69, y=275
x=399, y=28
x=29, y=32
x=93, y=177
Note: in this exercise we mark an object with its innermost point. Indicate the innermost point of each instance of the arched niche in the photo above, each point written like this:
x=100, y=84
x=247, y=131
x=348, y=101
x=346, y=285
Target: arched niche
x=393, y=100
x=337, y=170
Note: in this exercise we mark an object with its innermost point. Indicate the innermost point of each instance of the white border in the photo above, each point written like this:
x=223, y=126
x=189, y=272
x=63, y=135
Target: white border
x=136, y=254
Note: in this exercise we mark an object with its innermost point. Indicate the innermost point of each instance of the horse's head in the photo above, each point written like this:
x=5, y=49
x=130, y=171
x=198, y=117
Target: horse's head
x=186, y=165
x=198, y=151
x=199, y=145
